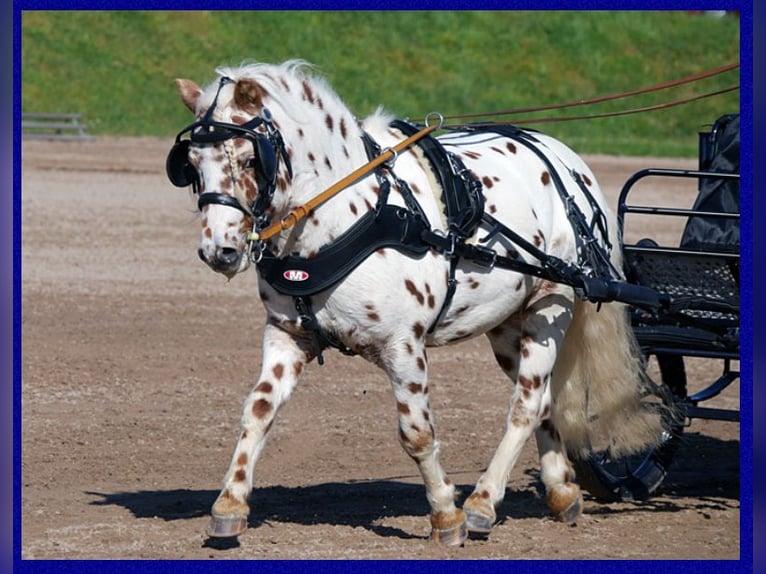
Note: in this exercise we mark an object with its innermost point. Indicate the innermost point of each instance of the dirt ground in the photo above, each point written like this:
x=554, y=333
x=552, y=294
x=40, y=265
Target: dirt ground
x=137, y=357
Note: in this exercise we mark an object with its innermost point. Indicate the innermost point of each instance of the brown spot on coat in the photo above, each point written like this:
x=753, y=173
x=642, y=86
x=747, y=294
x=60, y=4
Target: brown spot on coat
x=421, y=441
x=261, y=408
x=265, y=387
x=421, y=363
x=415, y=388
x=545, y=178
x=278, y=370
x=418, y=329
x=343, y=129
x=431, y=298
x=242, y=459
x=329, y=122
x=487, y=182
x=308, y=93
x=528, y=383
x=414, y=291
x=511, y=147
x=240, y=475
x=249, y=95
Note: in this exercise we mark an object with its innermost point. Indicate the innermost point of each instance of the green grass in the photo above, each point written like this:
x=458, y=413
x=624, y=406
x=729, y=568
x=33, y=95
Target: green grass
x=117, y=68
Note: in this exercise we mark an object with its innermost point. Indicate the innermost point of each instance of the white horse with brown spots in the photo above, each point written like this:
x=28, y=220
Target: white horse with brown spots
x=268, y=139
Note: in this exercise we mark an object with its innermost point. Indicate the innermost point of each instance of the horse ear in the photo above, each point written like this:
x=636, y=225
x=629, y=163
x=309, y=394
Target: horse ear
x=190, y=93
x=248, y=95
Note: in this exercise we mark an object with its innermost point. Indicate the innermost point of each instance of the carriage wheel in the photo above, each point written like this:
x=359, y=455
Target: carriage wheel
x=637, y=476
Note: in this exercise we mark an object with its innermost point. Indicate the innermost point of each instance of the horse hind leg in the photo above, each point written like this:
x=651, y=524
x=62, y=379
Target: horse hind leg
x=562, y=495
x=526, y=347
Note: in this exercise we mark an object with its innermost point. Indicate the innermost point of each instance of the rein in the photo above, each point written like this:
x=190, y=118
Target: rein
x=302, y=211
x=654, y=88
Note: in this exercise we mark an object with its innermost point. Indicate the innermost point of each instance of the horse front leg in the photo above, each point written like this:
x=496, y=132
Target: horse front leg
x=284, y=357
x=416, y=433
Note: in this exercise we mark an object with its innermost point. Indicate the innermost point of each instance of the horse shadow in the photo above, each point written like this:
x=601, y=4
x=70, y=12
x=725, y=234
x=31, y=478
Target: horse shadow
x=364, y=503
x=355, y=504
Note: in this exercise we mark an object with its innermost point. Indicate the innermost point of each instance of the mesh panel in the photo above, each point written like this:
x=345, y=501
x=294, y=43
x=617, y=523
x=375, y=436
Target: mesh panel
x=683, y=276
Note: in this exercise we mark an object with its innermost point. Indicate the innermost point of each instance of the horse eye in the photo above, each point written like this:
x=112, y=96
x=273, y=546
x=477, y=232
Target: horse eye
x=251, y=163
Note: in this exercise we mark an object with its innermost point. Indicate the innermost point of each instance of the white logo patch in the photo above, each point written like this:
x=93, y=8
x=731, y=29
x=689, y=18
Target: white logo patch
x=295, y=275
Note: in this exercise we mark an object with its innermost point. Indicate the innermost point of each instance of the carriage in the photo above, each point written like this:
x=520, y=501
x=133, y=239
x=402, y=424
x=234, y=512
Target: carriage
x=700, y=273
x=375, y=238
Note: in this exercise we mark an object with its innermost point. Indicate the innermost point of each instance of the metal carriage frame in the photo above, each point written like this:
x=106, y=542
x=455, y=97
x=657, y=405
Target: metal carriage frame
x=702, y=321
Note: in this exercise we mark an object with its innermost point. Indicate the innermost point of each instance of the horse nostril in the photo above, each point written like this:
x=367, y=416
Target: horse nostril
x=228, y=255
x=201, y=254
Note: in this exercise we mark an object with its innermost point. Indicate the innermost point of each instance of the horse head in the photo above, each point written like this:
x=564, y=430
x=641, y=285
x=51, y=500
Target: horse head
x=266, y=138
x=234, y=158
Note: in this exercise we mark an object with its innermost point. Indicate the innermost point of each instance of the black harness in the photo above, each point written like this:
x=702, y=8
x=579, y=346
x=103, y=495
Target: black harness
x=268, y=149
x=406, y=229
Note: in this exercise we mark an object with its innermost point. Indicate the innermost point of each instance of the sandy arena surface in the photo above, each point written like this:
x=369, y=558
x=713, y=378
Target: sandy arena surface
x=137, y=357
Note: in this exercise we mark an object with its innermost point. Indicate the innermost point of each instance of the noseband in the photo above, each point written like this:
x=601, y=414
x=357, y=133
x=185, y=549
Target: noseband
x=268, y=149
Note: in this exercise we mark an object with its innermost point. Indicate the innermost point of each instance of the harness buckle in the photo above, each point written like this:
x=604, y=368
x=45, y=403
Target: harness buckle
x=450, y=251
x=488, y=256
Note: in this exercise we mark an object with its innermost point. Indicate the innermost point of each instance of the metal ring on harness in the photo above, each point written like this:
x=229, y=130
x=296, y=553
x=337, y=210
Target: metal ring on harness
x=389, y=163
x=438, y=115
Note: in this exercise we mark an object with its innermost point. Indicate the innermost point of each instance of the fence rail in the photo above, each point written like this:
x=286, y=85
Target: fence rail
x=54, y=126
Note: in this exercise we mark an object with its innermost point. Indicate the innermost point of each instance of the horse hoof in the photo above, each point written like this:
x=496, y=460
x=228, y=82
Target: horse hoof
x=572, y=513
x=478, y=522
x=226, y=526
x=450, y=537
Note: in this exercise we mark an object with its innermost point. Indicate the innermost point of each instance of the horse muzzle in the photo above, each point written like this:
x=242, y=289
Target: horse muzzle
x=226, y=260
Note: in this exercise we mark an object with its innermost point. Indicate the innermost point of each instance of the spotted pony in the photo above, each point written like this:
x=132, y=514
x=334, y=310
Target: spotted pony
x=268, y=138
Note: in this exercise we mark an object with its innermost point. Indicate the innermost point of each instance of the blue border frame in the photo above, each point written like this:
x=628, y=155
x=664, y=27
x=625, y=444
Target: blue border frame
x=12, y=258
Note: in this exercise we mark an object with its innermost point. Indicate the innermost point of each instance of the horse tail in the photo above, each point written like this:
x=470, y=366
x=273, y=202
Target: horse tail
x=598, y=383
